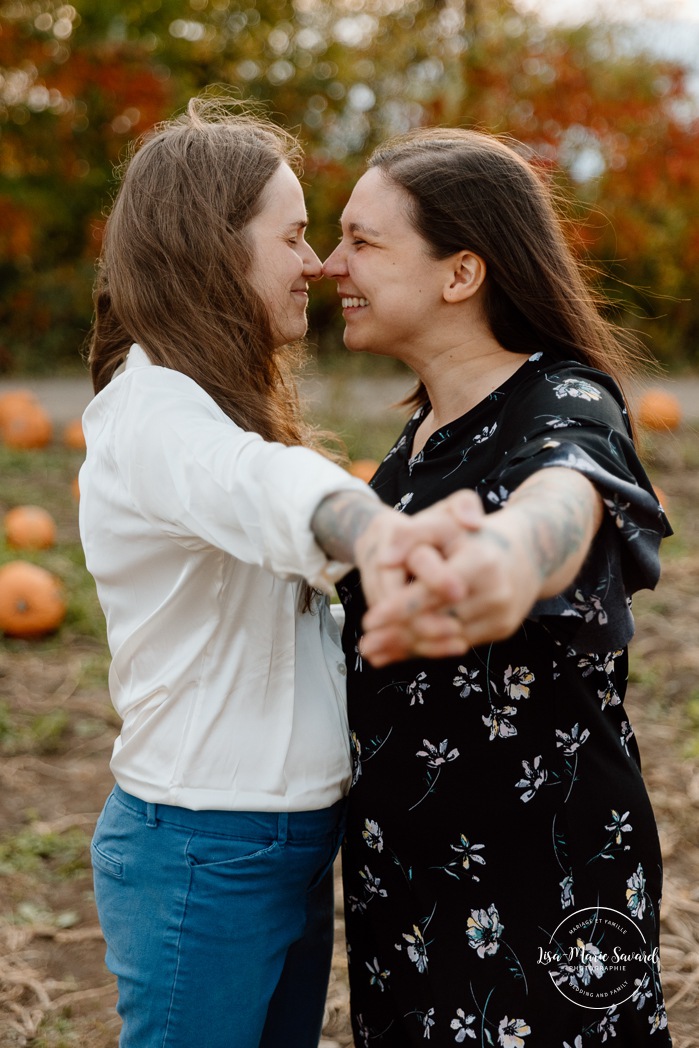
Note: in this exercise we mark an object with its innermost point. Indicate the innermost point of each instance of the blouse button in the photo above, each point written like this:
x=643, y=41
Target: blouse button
x=342, y=669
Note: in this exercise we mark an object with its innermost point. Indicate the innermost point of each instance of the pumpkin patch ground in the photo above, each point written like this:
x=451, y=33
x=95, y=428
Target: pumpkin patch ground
x=57, y=729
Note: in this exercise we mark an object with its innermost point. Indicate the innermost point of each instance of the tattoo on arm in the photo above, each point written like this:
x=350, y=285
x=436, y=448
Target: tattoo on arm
x=559, y=523
x=340, y=519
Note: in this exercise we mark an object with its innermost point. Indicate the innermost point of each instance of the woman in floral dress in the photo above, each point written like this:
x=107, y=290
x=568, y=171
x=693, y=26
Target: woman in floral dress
x=502, y=869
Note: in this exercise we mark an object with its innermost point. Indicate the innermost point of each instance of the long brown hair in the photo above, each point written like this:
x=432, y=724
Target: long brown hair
x=173, y=273
x=471, y=190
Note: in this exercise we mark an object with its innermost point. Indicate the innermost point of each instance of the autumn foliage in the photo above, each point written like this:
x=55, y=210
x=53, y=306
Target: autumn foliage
x=615, y=126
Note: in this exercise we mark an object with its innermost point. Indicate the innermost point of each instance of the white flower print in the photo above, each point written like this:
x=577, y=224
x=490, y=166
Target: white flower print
x=605, y=1026
x=379, y=975
x=373, y=835
x=466, y=850
x=416, y=948
x=617, y=509
x=560, y=422
x=573, y=740
x=566, y=886
x=534, y=777
x=405, y=501
x=619, y=825
x=500, y=726
x=577, y=1043
x=626, y=734
x=364, y=1032
x=483, y=931
x=636, y=893
x=658, y=1020
x=485, y=434
x=428, y=1022
x=437, y=758
x=499, y=497
x=577, y=387
x=643, y=992
x=511, y=1032
x=358, y=661
x=617, y=828
x=415, y=461
x=372, y=883
x=437, y=755
x=590, y=963
x=466, y=680
x=589, y=608
x=517, y=681
x=603, y=663
x=462, y=1024
x=416, y=688
x=609, y=695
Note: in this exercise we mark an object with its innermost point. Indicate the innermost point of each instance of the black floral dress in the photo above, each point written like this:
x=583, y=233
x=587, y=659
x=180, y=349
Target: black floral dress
x=501, y=866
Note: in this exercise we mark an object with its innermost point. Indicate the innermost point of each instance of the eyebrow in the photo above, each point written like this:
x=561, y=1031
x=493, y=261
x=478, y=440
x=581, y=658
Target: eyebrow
x=301, y=223
x=357, y=227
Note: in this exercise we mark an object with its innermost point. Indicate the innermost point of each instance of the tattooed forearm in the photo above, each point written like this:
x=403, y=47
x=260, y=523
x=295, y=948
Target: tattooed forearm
x=561, y=519
x=339, y=521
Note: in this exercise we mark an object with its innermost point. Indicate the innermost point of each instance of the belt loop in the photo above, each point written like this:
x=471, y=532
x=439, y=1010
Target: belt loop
x=151, y=815
x=283, y=827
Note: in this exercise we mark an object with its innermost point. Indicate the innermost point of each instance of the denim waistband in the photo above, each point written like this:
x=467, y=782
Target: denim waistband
x=295, y=825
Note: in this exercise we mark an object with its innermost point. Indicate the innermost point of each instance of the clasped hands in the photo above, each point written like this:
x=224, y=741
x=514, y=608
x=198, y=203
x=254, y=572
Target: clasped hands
x=441, y=581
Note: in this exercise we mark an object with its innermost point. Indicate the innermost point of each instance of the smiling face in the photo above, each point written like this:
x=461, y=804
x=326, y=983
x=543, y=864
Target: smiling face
x=283, y=262
x=392, y=290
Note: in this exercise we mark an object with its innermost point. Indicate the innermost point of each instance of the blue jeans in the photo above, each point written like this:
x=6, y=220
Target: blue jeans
x=219, y=925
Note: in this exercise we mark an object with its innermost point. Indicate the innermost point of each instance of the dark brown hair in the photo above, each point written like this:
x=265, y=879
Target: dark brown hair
x=173, y=274
x=471, y=190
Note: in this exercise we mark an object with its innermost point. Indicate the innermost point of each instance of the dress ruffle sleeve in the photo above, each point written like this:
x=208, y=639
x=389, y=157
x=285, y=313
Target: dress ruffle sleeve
x=574, y=417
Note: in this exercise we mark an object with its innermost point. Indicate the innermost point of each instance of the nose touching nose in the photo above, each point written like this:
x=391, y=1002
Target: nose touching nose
x=313, y=267
x=334, y=265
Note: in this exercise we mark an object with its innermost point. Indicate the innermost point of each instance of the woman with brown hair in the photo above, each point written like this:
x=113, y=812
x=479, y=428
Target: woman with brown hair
x=501, y=865
x=201, y=515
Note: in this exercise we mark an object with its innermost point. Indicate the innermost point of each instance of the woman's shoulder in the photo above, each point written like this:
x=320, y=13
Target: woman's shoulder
x=568, y=386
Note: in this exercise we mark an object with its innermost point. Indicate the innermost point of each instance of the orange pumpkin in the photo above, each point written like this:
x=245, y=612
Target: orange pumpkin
x=26, y=425
x=31, y=600
x=29, y=527
x=364, y=468
x=15, y=400
x=73, y=436
x=660, y=410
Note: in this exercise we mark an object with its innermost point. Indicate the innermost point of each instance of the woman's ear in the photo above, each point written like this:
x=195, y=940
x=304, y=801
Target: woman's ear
x=465, y=278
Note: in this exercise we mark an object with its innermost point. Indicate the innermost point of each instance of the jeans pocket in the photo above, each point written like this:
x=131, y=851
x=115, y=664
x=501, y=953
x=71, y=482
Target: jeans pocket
x=105, y=863
x=203, y=851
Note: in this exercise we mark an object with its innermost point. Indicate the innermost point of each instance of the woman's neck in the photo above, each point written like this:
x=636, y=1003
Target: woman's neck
x=456, y=382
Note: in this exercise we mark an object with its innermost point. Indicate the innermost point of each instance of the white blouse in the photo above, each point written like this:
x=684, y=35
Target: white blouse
x=197, y=534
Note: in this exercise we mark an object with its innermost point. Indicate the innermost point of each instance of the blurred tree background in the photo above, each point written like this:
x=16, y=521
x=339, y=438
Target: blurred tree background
x=616, y=125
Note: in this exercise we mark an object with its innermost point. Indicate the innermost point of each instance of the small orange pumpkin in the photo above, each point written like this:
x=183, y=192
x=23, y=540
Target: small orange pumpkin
x=73, y=436
x=31, y=600
x=26, y=425
x=29, y=527
x=364, y=468
x=15, y=400
x=660, y=410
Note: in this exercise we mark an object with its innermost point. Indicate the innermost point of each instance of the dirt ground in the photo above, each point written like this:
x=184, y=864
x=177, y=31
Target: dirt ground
x=54, y=989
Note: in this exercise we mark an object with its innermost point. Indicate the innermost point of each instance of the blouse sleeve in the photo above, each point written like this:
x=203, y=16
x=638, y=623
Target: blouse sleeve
x=204, y=482
x=575, y=418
